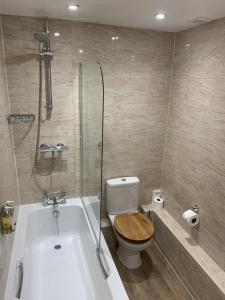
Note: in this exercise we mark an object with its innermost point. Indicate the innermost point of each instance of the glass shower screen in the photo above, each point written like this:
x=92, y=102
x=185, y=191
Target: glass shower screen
x=91, y=98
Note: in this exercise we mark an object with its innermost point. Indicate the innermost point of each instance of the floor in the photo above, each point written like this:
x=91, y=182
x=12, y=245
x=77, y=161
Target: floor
x=155, y=279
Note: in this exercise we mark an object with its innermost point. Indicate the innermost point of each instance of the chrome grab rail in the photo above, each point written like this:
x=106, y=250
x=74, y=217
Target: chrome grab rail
x=20, y=279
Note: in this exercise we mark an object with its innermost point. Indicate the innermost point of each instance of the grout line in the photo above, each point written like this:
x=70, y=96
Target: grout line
x=9, y=108
x=168, y=110
x=167, y=261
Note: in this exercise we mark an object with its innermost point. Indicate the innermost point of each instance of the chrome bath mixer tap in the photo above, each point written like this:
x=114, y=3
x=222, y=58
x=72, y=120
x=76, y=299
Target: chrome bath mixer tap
x=55, y=201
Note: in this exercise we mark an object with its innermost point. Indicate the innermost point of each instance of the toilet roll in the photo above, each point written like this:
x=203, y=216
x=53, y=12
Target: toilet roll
x=157, y=203
x=191, y=217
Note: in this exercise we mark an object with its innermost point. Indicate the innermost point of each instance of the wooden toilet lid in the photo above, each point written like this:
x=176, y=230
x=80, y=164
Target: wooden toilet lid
x=134, y=227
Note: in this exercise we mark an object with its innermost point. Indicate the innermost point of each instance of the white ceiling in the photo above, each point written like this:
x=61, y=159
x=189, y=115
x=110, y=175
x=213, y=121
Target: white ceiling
x=140, y=14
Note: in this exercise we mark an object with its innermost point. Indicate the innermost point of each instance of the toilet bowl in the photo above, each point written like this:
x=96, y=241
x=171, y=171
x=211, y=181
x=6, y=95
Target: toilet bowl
x=133, y=230
x=128, y=251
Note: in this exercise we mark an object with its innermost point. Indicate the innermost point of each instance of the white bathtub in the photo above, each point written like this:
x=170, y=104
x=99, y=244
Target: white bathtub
x=70, y=273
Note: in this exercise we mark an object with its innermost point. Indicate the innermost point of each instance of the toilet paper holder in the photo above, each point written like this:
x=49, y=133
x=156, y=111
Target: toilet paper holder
x=195, y=208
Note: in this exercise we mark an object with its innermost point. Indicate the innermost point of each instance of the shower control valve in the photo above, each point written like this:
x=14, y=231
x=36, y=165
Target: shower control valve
x=60, y=147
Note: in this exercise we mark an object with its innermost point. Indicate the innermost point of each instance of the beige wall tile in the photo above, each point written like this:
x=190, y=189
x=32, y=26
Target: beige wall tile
x=8, y=183
x=136, y=99
x=193, y=170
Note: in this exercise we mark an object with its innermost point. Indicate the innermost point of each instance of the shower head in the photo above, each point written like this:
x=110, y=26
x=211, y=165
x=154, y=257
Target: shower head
x=42, y=36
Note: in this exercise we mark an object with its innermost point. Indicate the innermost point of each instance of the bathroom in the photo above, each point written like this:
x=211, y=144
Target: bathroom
x=112, y=154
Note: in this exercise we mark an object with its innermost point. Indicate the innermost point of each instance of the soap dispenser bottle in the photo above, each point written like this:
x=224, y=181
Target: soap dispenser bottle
x=6, y=218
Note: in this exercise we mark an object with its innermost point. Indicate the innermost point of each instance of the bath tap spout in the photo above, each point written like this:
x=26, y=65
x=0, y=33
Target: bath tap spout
x=55, y=203
x=55, y=211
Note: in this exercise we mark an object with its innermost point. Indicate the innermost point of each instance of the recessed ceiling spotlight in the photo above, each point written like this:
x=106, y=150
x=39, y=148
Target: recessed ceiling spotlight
x=73, y=6
x=188, y=45
x=115, y=38
x=56, y=34
x=81, y=51
x=160, y=16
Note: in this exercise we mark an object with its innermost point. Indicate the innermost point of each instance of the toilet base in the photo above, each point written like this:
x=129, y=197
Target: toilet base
x=131, y=259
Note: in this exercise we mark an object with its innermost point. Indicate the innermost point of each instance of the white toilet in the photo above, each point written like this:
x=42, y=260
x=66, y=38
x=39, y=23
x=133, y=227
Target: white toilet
x=133, y=230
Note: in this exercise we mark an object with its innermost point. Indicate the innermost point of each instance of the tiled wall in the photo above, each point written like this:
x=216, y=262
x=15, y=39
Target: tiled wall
x=137, y=70
x=194, y=166
x=8, y=182
x=137, y=94
x=22, y=65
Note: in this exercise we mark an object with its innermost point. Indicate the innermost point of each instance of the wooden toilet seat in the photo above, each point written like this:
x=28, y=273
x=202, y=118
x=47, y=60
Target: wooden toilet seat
x=134, y=227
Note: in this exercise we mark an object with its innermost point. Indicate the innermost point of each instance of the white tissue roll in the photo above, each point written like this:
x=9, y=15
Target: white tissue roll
x=191, y=217
x=157, y=203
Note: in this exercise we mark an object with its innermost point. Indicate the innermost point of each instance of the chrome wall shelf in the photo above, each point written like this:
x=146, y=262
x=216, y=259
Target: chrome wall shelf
x=20, y=118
